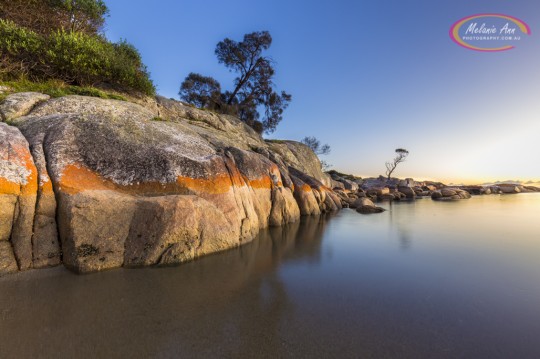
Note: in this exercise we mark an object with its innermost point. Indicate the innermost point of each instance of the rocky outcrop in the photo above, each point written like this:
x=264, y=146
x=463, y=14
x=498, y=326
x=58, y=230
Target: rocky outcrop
x=97, y=184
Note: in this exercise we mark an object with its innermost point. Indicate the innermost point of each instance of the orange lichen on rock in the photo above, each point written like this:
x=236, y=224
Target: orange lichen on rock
x=213, y=185
x=263, y=182
x=77, y=178
x=8, y=187
x=31, y=185
x=28, y=186
x=46, y=187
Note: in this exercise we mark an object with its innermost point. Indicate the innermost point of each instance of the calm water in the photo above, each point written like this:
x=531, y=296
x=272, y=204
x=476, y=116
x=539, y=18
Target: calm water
x=423, y=280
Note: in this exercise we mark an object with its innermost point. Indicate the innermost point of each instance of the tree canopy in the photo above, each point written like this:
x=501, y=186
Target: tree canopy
x=201, y=91
x=318, y=148
x=315, y=145
x=46, y=16
x=253, y=97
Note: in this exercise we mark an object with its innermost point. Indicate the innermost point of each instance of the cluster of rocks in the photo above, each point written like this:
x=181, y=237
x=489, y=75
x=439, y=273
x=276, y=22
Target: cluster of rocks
x=382, y=189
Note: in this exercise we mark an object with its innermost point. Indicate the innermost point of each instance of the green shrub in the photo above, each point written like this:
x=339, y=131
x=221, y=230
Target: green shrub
x=73, y=57
x=78, y=58
x=127, y=67
x=19, y=48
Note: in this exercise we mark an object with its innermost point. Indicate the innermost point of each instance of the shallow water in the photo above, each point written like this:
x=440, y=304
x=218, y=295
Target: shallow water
x=424, y=280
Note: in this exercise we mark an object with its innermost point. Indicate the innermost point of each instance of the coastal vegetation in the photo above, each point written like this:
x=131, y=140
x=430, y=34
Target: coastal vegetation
x=61, y=40
x=57, y=88
x=318, y=148
x=253, y=98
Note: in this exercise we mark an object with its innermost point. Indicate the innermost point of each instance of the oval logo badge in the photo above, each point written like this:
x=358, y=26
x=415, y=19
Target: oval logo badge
x=489, y=32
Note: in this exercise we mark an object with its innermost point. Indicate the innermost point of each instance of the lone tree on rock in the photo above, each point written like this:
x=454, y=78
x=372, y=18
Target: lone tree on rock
x=400, y=157
x=253, y=97
x=315, y=145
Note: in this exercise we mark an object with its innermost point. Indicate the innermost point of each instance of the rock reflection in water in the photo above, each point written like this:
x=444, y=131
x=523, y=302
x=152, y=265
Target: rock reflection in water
x=221, y=301
x=423, y=279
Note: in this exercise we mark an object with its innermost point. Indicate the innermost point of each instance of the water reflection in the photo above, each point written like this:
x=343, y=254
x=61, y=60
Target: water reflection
x=424, y=279
x=401, y=223
x=215, y=301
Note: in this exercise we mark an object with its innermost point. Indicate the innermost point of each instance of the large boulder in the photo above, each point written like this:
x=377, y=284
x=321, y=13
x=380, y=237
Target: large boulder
x=118, y=184
x=366, y=206
x=349, y=185
x=450, y=194
x=336, y=184
x=408, y=192
x=509, y=188
x=301, y=157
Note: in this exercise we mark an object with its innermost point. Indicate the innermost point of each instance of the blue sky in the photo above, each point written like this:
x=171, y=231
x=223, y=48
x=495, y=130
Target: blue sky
x=367, y=77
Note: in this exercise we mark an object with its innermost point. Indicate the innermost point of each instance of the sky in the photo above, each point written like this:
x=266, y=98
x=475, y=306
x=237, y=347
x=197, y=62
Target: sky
x=367, y=77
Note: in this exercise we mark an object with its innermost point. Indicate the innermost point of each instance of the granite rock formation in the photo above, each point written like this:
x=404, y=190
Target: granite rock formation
x=98, y=184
